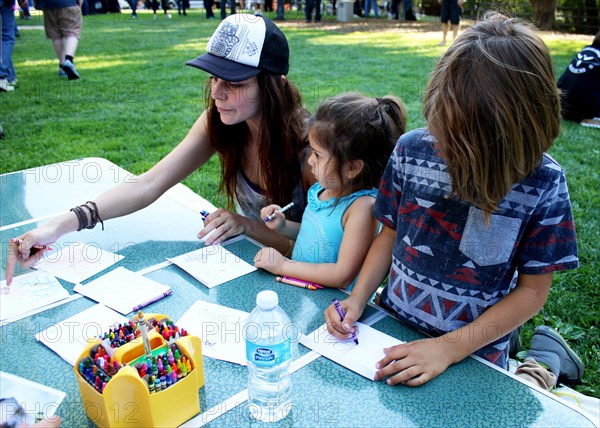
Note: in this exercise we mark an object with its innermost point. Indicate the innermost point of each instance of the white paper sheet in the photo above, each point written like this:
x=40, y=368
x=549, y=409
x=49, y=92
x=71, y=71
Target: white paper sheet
x=122, y=289
x=185, y=196
x=359, y=358
x=28, y=292
x=220, y=328
x=213, y=265
x=69, y=337
x=33, y=397
x=77, y=262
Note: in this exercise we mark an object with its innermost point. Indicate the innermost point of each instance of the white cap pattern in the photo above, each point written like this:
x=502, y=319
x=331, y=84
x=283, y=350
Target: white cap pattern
x=237, y=41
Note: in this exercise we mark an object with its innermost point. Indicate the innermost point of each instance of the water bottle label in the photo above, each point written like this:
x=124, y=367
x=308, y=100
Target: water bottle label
x=268, y=356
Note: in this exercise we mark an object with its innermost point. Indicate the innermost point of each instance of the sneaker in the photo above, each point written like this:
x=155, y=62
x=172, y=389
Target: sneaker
x=61, y=72
x=591, y=123
x=167, y=15
x=550, y=349
x=5, y=86
x=13, y=82
x=69, y=68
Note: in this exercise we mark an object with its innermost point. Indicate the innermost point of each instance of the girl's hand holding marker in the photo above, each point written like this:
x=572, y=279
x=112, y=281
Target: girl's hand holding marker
x=279, y=211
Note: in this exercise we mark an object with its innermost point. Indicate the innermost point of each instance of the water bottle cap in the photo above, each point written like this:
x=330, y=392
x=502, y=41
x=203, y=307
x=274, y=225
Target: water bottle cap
x=267, y=299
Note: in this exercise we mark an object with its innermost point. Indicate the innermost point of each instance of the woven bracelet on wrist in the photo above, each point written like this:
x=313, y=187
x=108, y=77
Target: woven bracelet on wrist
x=94, y=214
x=81, y=218
x=85, y=221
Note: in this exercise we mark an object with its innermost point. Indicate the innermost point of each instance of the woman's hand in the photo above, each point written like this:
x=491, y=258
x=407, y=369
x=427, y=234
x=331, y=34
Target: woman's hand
x=416, y=363
x=277, y=219
x=270, y=260
x=221, y=225
x=28, y=249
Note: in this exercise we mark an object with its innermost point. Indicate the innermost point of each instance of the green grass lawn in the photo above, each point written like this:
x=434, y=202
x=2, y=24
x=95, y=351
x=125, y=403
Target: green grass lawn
x=136, y=100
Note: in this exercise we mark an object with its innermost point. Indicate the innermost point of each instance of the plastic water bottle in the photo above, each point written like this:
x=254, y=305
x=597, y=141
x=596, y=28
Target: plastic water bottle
x=268, y=354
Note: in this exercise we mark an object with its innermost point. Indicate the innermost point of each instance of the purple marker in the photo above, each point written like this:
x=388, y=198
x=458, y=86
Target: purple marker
x=340, y=311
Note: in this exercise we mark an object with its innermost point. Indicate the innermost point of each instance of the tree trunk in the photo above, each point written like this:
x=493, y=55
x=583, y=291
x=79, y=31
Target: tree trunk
x=592, y=16
x=545, y=13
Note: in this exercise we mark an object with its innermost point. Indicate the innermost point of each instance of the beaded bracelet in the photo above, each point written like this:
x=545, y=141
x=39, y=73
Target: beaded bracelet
x=85, y=221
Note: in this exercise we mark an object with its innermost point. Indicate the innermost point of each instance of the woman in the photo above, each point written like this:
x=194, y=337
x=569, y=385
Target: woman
x=253, y=121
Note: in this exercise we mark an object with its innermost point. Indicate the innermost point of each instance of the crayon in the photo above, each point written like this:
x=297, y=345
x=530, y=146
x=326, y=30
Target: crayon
x=297, y=283
x=342, y=315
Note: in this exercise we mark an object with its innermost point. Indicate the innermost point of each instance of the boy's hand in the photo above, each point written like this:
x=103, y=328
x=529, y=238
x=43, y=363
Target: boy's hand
x=335, y=326
x=277, y=219
x=270, y=260
x=415, y=363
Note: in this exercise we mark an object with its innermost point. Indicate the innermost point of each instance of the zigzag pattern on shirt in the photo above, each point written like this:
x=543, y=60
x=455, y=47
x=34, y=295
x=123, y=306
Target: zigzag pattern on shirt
x=432, y=304
x=417, y=219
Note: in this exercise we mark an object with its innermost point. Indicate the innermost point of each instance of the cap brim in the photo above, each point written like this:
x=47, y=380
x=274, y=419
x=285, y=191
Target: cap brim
x=223, y=68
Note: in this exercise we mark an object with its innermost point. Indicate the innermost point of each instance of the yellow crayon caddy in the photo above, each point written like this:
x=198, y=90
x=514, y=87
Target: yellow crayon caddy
x=125, y=400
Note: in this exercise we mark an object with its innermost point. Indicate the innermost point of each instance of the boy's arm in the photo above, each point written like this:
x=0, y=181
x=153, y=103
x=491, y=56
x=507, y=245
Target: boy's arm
x=374, y=270
x=416, y=363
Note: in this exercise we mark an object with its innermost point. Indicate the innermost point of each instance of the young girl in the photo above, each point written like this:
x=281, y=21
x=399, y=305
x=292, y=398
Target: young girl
x=476, y=216
x=351, y=137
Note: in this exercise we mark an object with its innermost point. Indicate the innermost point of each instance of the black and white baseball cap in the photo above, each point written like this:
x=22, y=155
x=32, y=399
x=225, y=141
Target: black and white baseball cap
x=242, y=46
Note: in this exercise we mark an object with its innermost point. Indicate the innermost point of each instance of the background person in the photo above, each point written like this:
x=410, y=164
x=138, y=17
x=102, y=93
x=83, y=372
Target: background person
x=62, y=23
x=450, y=17
x=580, y=86
x=8, y=23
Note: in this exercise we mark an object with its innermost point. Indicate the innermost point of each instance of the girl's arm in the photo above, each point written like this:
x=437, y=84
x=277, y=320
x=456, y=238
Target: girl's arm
x=418, y=362
x=125, y=198
x=290, y=229
x=359, y=231
x=374, y=270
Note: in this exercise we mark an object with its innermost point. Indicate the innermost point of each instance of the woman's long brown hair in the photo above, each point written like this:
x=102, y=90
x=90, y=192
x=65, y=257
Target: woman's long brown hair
x=494, y=108
x=281, y=139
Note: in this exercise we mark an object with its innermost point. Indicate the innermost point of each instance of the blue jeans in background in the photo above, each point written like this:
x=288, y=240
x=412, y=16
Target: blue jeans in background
x=224, y=7
x=133, y=6
x=280, y=10
x=368, y=5
x=9, y=24
x=310, y=5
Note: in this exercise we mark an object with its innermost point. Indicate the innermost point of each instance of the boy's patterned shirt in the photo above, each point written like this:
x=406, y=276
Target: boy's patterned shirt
x=448, y=267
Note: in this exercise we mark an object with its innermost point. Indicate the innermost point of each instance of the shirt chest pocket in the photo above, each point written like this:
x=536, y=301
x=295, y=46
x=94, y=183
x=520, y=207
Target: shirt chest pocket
x=492, y=244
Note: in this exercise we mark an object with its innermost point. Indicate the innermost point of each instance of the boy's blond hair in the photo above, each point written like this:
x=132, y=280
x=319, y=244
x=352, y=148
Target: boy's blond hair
x=494, y=108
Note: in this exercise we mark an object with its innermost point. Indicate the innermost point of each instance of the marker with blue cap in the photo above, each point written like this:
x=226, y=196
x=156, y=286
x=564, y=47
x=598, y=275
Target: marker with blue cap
x=282, y=210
